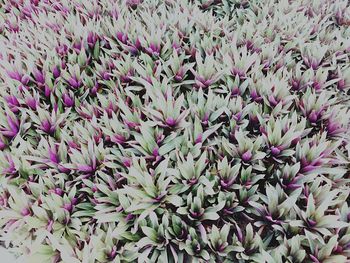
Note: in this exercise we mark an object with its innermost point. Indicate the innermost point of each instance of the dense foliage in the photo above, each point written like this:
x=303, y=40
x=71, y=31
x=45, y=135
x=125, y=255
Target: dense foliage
x=175, y=131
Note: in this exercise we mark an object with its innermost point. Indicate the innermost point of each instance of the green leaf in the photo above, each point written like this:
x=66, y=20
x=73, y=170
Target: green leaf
x=150, y=232
x=96, y=51
x=210, y=216
x=175, y=200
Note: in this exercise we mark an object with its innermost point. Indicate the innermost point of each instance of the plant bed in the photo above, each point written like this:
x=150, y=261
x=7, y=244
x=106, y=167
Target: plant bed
x=175, y=131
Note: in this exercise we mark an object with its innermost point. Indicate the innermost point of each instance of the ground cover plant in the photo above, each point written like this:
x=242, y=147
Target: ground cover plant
x=175, y=131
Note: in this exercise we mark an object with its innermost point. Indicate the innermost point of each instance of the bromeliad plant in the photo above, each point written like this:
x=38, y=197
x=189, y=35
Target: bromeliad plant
x=175, y=131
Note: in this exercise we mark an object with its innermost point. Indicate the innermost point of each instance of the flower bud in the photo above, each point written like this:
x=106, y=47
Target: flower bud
x=47, y=91
x=117, y=138
x=62, y=50
x=13, y=124
x=127, y=162
x=155, y=152
x=199, y=138
x=122, y=37
x=77, y=46
x=74, y=82
x=67, y=100
x=275, y=150
x=25, y=211
x=316, y=85
x=235, y=91
x=247, y=156
x=12, y=101
x=53, y=157
x=31, y=102
x=56, y=72
x=59, y=191
x=68, y=207
x=313, y=116
x=39, y=76
x=255, y=96
x=311, y=222
x=14, y=75
x=273, y=101
x=92, y=39
x=171, y=122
